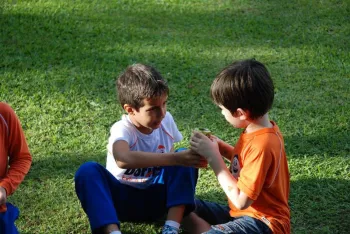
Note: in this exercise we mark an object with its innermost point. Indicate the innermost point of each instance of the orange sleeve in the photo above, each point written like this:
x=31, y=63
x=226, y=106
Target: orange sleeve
x=18, y=152
x=256, y=164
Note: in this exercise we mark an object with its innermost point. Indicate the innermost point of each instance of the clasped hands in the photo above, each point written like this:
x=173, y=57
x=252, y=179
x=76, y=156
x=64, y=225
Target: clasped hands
x=203, y=150
x=206, y=147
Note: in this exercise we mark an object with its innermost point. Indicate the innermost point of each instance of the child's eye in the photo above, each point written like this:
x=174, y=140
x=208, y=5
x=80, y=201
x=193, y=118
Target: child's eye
x=153, y=109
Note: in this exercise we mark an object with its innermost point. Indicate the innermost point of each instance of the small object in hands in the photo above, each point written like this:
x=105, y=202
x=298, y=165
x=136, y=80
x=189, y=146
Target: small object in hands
x=205, y=131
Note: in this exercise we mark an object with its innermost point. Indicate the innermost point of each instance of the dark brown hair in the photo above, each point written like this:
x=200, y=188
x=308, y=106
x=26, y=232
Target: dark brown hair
x=138, y=82
x=244, y=84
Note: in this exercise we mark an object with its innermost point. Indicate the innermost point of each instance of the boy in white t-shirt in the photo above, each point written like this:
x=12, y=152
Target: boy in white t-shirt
x=145, y=179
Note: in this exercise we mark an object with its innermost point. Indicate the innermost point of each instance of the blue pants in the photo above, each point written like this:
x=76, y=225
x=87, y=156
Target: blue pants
x=7, y=220
x=107, y=201
x=218, y=216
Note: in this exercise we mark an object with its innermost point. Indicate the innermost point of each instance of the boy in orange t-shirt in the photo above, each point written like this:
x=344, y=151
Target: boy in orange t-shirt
x=15, y=161
x=257, y=182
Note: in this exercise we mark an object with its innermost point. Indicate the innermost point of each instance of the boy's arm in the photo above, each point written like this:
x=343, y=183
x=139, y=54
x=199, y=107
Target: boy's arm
x=138, y=159
x=210, y=150
x=229, y=184
x=226, y=150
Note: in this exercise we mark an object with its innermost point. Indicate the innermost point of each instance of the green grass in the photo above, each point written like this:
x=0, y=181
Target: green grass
x=59, y=61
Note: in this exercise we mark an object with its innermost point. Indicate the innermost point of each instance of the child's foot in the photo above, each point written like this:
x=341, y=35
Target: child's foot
x=169, y=230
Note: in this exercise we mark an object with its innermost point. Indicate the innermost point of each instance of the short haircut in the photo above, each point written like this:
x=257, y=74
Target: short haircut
x=138, y=82
x=244, y=84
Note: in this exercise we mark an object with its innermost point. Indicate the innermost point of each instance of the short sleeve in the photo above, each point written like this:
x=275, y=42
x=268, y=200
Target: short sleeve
x=256, y=162
x=120, y=131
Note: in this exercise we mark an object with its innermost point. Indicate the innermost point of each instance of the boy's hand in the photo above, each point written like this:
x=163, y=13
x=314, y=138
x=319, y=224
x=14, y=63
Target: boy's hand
x=191, y=159
x=3, y=196
x=202, y=145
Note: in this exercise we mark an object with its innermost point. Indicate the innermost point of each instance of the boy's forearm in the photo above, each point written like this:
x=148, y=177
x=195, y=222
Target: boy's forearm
x=19, y=167
x=228, y=183
x=226, y=150
x=140, y=159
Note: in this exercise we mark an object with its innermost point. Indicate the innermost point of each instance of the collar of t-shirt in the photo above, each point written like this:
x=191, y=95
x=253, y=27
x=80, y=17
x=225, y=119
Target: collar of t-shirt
x=274, y=129
x=139, y=134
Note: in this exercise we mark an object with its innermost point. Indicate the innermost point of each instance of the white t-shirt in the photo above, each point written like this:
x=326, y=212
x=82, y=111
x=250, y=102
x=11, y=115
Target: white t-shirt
x=161, y=140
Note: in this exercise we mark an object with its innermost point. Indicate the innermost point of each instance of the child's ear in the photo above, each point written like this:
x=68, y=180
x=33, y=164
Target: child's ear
x=128, y=109
x=242, y=114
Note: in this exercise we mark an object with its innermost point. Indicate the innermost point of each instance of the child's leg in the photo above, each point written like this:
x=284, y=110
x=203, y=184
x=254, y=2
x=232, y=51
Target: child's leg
x=180, y=184
x=241, y=225
x=176, y=213
x=107, y=202
x=8, y=218
x=104, y=199
x=194, y=224
x=174, y=218
x=209, y=213
x=204, y=215
x=93, y=185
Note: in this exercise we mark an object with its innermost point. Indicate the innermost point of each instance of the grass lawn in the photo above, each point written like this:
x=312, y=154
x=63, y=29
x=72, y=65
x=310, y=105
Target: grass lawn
x=59, y=61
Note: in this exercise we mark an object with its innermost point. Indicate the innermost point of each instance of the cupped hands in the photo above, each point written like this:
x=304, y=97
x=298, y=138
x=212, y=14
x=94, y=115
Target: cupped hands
x=204, y=146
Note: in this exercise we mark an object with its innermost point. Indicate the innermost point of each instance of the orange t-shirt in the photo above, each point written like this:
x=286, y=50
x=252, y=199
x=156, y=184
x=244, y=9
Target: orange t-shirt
x=15, y=158
x=259, y=163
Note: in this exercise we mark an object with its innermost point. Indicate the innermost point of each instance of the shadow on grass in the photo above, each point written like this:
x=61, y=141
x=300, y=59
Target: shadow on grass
x=78, y=51
x=336, y=143
x=320, y=206
x=101, y=40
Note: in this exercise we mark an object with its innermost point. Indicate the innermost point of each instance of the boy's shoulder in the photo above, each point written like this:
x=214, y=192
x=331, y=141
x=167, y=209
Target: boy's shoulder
x=6, y=112
x=266, y=138
x=168, y=118
x=123, y=123
x=5, y=108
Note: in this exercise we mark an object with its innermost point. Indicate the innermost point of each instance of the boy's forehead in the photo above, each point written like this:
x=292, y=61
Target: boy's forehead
x=156, y=99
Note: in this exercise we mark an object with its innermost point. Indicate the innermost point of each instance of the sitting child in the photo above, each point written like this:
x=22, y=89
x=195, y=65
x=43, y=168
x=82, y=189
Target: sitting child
x=15, y=161
x=257, y=183
x=145, y=179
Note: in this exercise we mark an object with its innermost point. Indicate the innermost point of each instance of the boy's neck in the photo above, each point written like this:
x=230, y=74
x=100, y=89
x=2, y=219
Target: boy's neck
x=257, y=124
x=139, y=127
